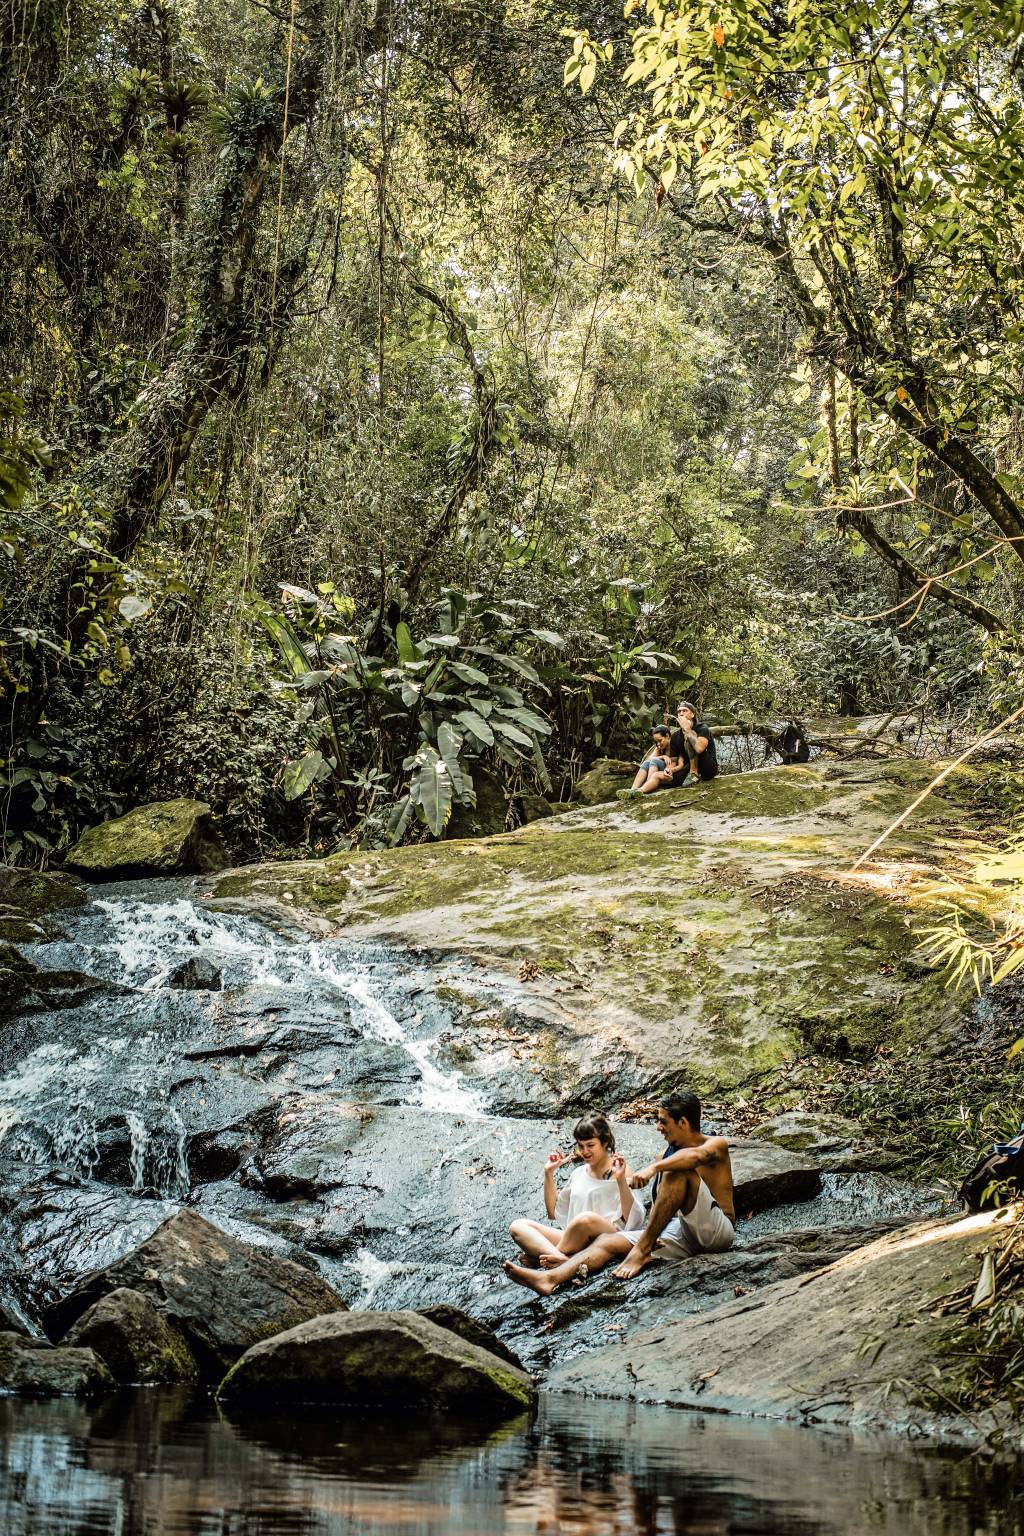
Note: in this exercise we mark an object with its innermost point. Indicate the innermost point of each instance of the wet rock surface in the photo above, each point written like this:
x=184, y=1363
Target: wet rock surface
x=34, y=1368
x=378, y=1358
x=843, y=1344
x=221, y=1294
x=368, y=1119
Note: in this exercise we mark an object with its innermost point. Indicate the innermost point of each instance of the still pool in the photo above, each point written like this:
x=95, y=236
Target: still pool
x=168, y=1463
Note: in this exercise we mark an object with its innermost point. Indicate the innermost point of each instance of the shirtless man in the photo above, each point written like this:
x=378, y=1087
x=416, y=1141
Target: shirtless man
x=693, y=1210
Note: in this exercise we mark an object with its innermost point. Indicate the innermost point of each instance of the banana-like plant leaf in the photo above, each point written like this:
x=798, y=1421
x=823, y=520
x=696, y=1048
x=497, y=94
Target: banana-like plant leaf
x=298, y=776
x=471, y=675
x=513, y=733
x=476, y=726
x=433, y=786
x=398, y=821
x=407, y=650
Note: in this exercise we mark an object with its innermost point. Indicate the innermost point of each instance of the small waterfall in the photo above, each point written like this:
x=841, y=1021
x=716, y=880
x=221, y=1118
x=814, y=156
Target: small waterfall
x=158, y=1158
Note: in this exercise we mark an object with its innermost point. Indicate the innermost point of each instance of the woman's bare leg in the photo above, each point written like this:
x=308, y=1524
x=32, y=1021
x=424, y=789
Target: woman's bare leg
x=579, y=1233
x=610, y=1245
x=535, y=1239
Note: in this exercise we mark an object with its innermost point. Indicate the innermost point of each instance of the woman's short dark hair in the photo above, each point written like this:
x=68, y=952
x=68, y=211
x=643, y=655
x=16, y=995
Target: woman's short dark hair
x=683, y=1106
x=594, y=1128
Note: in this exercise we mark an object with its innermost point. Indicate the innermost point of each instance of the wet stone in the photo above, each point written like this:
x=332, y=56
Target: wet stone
x=134, y=1340
x=33, y=1368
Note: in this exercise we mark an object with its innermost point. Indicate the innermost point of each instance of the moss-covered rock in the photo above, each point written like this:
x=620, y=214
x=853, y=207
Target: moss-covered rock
x=488, y=816
x=603, y=781
x=169, y=837
x=709, y=932
x=397, y=1359
x=134, y=1340
x=28, y=901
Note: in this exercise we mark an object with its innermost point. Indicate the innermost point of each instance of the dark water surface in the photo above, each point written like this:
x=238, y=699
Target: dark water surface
x=168, y=1464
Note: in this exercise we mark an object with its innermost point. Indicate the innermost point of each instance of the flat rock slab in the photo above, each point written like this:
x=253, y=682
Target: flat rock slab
x=824, y=1347
x=394, y=1358
x=33, y=1368
x=221, y=1293
x=719, y=927
x=167, y=838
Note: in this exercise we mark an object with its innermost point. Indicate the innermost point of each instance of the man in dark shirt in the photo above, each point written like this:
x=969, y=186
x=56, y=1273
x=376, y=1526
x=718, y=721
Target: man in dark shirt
x=692, y=748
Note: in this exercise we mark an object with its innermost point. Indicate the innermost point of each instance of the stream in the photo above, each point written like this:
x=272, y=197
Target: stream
x=381, y=1114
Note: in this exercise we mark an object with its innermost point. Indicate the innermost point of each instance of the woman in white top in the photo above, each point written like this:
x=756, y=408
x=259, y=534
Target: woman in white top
x=596, y=1199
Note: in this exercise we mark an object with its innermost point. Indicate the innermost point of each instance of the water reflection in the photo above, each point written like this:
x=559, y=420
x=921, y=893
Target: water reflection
x=169, y=1464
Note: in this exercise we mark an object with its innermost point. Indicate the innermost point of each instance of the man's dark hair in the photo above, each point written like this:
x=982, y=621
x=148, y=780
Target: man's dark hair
x=685, y=704
x=683, y=1106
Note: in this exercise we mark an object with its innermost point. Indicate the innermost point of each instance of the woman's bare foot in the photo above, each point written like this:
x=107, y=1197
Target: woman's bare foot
x=551, y=1260
x=536, y=1280
x=632, y=1264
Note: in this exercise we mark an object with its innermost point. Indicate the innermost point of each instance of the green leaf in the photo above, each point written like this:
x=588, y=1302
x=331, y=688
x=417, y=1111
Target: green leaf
x=470, y=675
x=298, y=776
x=433, y=787
x=131, y=608
x=476, y=726
x=407, y=650
x=512, y=732
x=398, y=821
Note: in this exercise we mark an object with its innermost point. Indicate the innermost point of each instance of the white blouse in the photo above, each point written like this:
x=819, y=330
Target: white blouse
x=584, y=1193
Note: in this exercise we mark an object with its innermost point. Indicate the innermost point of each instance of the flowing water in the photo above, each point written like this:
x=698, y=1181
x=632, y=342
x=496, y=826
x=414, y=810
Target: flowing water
x=319, y=1093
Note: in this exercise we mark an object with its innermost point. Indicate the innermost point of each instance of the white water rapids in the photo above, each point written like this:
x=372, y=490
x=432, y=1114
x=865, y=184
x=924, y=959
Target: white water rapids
x=47, y=1102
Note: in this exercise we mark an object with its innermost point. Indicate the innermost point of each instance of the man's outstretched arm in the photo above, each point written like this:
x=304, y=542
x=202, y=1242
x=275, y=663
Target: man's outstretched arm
x=683, y=1160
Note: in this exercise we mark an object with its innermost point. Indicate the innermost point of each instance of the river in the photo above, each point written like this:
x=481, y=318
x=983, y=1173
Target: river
x=313, y=1095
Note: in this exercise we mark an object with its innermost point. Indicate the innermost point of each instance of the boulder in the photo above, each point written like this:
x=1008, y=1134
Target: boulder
x=196, y=975
x=765, y=1175
x=488, y=816
x=393, y=1358
x=850, y=1343
x=169, y=837
x=33, y=1367
x=603, y=781
x=134, y=1340
x=28, y=899
x=534, y=808
x=471, y=1330
x=837, y=1144
x=221, y=1293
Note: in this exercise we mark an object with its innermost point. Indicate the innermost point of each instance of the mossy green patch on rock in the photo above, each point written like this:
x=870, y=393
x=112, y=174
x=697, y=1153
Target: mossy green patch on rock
x=710, y=932
x=170, y=837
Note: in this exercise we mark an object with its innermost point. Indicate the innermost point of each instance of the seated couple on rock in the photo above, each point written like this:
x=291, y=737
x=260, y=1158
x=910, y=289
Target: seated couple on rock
x=598, y=1218
x=685, y=755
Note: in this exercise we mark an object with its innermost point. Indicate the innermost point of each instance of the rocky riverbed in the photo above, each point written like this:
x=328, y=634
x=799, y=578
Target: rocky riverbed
x=360, y=1065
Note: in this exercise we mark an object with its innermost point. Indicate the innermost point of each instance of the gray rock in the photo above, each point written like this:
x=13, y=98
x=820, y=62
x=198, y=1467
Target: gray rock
x=603, y=781
x=471, y=1330
x=197, y=975
x=34, y=1368
x=846, y=1344
x=222, y=1294
x=169, y=837
x=834, y=1142
x=534, y=808
x=134, y=1340
x=394, y=1358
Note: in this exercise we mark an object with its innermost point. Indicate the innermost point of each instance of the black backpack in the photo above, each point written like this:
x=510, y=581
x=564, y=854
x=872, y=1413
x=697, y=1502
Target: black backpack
x=1003, y=1165
x=793, y=746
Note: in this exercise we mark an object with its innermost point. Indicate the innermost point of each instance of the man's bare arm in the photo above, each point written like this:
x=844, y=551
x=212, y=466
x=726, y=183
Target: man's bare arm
x=685, y=1159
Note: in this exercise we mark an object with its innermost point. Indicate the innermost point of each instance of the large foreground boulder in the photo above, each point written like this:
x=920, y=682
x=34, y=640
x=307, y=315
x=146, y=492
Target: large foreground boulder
x=853, y=1343
x=603, y=781
x=134, y=1340
x=167, y=838
x=390, y=1358
x=34, y=1368
x=223, y=1295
